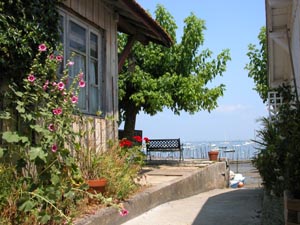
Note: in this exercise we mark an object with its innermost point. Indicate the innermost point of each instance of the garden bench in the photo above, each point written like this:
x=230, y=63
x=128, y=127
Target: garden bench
x=164, y=145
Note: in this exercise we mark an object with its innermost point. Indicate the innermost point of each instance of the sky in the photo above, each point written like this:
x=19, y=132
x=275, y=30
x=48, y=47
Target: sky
x=232, y=24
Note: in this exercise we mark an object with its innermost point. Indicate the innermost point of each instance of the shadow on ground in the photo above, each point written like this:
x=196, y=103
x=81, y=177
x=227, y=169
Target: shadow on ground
x=242, y=206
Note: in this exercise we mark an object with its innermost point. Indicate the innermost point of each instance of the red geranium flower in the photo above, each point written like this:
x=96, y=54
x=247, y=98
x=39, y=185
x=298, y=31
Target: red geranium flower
x=125, y=143
x=138, y=138
x=146, y=139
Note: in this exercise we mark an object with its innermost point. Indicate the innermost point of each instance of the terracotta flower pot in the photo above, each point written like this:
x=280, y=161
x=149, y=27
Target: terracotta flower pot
x=97, y=185
x=213, y=155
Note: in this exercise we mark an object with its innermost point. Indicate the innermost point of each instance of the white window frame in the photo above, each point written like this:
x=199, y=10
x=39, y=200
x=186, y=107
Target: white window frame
x=67, y=17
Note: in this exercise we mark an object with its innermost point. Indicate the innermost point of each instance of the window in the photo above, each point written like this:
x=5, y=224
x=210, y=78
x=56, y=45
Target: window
x=85, y=42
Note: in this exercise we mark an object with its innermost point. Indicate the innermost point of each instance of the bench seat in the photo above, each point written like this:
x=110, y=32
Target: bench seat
x=164, y=145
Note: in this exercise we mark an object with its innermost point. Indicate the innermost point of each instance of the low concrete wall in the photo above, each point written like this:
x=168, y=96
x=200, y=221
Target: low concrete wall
x=211, y=177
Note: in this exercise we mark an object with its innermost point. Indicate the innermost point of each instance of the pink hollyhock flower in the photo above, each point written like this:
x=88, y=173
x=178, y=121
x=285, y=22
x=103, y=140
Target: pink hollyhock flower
x=42, y=47
x=31, y=78
x=54, y=148
x=51, y=127
x=74, y=99
x=71, y=63
x=45, y=86
x=51, y=56
x=60, y=86
x=81, y=83
x=57, y=111
x=54, y=84
x=123, y=212
x=59, y=58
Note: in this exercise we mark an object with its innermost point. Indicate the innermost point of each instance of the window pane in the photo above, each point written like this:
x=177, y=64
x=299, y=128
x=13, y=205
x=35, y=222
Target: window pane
x=77, y=37
x=94, y=45
x=94, y=87
x=93, y=72
x=79, y=65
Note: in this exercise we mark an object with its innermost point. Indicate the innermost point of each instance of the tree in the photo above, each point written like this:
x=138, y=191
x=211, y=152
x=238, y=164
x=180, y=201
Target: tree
x=155, y=77
x=257, y=66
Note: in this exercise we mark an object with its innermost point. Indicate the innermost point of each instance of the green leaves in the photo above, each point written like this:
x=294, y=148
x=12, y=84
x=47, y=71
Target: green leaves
x=37, y=152
x=10, y=137
x=5, y=115
x=257, y=65
x=27, y=206
x=14, y=137
x=1, y=152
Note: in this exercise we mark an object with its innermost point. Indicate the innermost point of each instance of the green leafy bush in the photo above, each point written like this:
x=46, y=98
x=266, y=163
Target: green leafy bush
x=24, y=24
x=278, y=160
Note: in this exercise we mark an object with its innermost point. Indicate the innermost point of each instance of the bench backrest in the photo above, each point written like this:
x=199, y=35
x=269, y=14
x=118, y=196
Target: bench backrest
x=163, y=144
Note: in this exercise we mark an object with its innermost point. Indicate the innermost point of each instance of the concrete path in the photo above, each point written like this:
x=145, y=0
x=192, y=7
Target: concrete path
x=216, y=207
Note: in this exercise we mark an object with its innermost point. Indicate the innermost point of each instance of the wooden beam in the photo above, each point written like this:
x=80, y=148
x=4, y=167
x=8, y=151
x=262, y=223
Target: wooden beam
x=125, y=52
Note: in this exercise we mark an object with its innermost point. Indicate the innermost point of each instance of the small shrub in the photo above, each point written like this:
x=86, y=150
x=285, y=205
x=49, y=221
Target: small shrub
x=121, y=165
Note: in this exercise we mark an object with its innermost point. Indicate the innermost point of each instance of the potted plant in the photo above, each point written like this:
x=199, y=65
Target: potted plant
x=213, y=154
x=89, y=158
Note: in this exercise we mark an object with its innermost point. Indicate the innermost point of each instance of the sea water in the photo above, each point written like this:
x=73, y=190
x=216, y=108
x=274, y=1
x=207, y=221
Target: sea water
x=232, y=150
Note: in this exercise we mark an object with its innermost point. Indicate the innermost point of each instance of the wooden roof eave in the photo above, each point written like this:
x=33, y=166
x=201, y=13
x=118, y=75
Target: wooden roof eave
x=134, y=20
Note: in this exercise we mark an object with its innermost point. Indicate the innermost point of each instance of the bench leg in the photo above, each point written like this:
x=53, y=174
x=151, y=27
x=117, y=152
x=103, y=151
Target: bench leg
x=149, y=155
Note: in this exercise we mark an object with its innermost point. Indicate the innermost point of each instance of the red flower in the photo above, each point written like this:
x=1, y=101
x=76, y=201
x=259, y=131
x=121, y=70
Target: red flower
x=138, y=138
x=146, y=139
x=125, y=143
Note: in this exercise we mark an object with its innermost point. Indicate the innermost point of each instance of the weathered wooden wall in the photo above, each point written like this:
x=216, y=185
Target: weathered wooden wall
x=102, y=15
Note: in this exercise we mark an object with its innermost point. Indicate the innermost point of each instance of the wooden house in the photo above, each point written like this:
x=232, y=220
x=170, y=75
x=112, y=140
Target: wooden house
x=283, y=38
x=90, y=31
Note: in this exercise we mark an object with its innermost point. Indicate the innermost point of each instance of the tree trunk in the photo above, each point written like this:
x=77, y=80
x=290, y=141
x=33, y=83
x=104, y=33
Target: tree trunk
x=130, y=119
